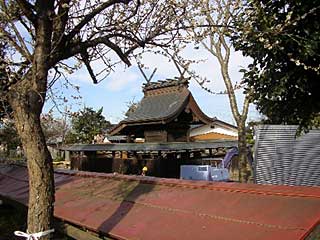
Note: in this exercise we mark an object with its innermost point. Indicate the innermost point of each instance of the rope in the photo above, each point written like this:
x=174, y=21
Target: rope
x=33, y=236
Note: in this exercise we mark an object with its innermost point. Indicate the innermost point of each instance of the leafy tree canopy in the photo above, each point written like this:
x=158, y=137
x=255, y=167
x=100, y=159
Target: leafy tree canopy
x=86, y=124
x=283, y=39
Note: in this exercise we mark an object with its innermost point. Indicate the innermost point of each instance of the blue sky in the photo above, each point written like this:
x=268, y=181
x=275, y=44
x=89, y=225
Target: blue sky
x=125, y=84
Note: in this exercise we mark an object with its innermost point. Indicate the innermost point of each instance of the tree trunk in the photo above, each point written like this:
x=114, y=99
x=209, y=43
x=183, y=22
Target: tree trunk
x=26, y=99
x=242, y=147
x=240, y=119
x=27, y=105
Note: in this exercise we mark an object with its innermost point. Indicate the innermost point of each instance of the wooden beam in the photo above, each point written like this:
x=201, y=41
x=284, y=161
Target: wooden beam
x=77, y=233
x=168, y=146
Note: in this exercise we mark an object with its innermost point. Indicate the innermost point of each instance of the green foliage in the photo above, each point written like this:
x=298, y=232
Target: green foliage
x=86, y=124
x=283, y=38
x=250, y=131
x=58, y=159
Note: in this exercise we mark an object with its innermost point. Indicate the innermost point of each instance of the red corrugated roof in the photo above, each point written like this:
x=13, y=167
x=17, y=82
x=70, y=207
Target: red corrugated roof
x=128, y=207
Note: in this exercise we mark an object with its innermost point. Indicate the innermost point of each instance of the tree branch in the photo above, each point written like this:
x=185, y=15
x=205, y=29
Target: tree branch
x=79, y=47
x=13, y=42
x=27, y=9
x=21, y=40
x=28, y=28
x=90, y=16
x=226, y=48
x=85, y=58
x=246, y=104
x=60, y=21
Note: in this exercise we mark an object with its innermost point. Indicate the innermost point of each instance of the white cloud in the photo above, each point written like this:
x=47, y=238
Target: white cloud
x=120, y=80
x=80, y=76
x=99, y=68
x=123, y=76
x=165, y=69
x=208, y=67
x=124, y=84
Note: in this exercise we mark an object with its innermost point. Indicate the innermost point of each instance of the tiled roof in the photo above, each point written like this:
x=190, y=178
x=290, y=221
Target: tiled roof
x=172, y=146
x=165, y=83
x=133, y=207
x=158, y=107
x=163, y=101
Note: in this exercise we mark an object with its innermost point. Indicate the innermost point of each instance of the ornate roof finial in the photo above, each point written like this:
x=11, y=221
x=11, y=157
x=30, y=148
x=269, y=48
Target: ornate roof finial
x=144, y=75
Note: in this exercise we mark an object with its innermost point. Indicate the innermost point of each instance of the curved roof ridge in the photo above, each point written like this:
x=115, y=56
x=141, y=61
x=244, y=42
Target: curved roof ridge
x=166, y=83
x=199, y=113
x=159, y=107
x=156, y=108
x=163, y=108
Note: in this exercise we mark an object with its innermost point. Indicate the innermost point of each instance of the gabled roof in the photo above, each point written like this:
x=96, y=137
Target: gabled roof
x=159, y=107
x=163, y=101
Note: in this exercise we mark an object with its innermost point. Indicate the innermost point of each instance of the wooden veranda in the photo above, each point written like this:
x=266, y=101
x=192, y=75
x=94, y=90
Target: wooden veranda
x=162, y=159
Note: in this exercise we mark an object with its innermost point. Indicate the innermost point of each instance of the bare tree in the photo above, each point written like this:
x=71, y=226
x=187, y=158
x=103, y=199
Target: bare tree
x=212, y=23
x=41, y=36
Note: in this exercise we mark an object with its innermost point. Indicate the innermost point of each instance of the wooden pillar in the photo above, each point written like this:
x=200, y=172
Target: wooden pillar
x=89, y=161
x=157, y=165
x=185, y=156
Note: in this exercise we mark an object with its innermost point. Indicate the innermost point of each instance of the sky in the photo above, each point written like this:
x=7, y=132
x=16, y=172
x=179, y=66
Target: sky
x=124, y=85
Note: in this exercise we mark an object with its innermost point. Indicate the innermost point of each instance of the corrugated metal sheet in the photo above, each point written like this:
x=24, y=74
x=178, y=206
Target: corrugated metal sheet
x=283, y=158
x=132, y=207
